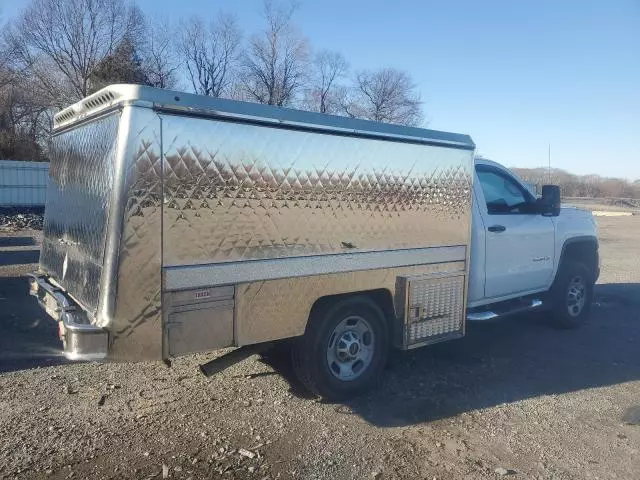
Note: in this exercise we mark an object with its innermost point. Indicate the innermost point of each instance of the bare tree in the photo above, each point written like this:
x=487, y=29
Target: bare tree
x=324, y=93
x=122, y=66
x=385, y=95
x=275, y=62
x=72, y=36
x=159, y=56
x=24, y=117
x=5, y=55
x=210, y=53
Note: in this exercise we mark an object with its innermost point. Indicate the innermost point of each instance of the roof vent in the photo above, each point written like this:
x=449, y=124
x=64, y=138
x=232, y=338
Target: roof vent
x=92, y=103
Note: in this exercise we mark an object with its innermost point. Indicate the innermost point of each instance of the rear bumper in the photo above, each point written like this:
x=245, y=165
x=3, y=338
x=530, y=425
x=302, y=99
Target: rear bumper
x=81, y=340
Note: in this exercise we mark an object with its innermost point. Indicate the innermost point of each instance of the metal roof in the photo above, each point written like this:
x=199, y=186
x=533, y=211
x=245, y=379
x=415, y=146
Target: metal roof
x=188, y=103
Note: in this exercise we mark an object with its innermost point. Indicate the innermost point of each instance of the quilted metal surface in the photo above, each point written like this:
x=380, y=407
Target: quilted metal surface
x=137, y=318
x=237, y=191
x=259, y=305
x=78, y=199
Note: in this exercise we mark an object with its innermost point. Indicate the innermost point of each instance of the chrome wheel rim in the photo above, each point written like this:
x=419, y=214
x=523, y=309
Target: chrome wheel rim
x=350, y=348
x=576, y=296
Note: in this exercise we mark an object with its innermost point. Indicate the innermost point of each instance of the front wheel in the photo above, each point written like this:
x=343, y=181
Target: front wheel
x=571, y=295
x=343, y=350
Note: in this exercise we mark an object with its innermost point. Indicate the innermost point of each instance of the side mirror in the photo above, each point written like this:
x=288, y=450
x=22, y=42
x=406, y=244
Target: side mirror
x=550, y=200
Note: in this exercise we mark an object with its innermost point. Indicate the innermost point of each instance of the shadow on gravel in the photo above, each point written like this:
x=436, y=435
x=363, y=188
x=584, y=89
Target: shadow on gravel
x=502, y=362
x=497, y=362
x=29, y=338
x=279, y=358
x=17, y=241
x=510, y=360
x=19, y=257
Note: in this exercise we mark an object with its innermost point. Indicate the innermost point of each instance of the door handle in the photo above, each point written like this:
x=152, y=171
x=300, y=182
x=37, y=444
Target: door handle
x=497, y=228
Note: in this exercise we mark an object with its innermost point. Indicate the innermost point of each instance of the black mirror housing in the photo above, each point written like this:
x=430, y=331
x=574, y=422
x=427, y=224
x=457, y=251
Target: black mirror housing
x=550, y=200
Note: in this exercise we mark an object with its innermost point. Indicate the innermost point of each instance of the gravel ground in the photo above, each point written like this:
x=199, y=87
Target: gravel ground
x=607, y=204
x=23, y=218
x=513, y=398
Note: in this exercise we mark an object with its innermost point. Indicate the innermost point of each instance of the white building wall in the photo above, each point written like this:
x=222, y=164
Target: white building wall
x=23, y=183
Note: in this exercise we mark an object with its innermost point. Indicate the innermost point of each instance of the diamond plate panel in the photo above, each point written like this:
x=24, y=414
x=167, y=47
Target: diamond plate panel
x=237, y=191
x=137, y=320
x=78, y=199
x=434, y=308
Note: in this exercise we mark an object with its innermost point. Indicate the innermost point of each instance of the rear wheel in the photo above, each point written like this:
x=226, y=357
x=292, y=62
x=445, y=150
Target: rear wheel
x=572, y=294
x=343, y=350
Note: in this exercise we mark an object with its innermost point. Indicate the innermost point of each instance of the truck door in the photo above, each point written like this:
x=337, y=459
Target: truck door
x=520, y=244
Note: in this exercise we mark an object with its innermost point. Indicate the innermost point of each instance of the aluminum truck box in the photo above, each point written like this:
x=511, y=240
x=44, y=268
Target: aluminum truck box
x=177, y=223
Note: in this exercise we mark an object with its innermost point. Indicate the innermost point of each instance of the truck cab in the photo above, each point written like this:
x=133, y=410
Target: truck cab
x=527, y=252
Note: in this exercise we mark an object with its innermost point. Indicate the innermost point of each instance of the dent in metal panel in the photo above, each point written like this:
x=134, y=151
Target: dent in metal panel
x=276, y=309
x=78, y=198
x=238, y=191
x=137, y=323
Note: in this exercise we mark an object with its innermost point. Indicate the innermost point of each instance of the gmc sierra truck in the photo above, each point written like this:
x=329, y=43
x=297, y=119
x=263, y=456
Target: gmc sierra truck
x=524, y=256
x=177, y=223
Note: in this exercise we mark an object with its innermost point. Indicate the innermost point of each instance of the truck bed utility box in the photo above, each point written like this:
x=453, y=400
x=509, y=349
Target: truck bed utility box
x=178, y=223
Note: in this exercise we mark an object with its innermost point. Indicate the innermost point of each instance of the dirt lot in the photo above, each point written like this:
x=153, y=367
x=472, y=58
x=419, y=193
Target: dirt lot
x=515, y=395
x=629, y=206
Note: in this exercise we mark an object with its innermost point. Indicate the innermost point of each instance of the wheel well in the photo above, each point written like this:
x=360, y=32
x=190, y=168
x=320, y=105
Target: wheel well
x=583, y=251
x=381, y=297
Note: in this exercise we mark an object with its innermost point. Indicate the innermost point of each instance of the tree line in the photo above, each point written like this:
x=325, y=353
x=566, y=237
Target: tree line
x=56, y=52
x=59, y=51
x=591, y=186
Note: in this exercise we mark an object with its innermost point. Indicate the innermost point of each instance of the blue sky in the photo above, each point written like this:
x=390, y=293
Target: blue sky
x=514, y=75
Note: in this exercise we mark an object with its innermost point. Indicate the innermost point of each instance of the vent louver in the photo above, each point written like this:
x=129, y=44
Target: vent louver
x=90, y=104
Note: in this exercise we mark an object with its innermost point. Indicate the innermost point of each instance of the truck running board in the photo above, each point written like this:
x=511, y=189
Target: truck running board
x=503, y=309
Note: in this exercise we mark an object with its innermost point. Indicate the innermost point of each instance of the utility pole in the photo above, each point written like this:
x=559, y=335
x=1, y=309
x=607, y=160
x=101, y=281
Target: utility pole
x=549, y=158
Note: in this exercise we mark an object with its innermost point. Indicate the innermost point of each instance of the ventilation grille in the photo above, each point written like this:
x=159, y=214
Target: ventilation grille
x=433, y=308
x=90, y=104
x=63, y=116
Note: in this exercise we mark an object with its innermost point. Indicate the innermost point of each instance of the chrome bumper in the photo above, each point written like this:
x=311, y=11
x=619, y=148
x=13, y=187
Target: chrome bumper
x=81, y=340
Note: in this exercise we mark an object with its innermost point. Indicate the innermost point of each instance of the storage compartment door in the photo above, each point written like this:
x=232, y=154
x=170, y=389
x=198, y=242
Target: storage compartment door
x=199, y=320
x=433, y=308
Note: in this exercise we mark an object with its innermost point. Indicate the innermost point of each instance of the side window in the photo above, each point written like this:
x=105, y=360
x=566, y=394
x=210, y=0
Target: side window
x=502, y=194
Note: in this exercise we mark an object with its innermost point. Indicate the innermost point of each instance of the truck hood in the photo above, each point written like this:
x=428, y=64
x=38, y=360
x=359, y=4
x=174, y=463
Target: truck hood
x=568, y=207
x=574, y=221
x=576, y=213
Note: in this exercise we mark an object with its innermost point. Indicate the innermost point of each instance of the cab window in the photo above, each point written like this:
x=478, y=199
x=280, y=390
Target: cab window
x=502, y=193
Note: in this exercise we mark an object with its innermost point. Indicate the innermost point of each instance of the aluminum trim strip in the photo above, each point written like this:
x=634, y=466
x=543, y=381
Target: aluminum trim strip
x=193, y=104
x=196, y=276
x=321, y=128
x=108, y=281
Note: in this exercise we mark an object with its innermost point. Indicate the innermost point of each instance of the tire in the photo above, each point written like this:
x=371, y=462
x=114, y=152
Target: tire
x=344, y=349
x=571, y=295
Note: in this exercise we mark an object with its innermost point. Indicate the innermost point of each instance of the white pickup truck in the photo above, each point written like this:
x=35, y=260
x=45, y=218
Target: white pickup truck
x=177, y=223
x=521, y=258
